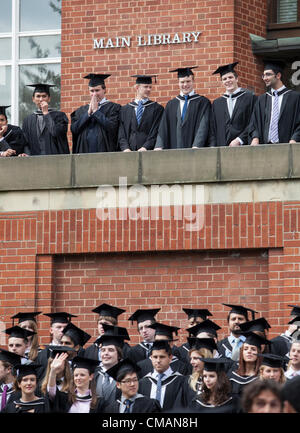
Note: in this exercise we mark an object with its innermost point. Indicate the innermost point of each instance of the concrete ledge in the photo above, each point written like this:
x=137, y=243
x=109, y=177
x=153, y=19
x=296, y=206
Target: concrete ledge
x=207, y=165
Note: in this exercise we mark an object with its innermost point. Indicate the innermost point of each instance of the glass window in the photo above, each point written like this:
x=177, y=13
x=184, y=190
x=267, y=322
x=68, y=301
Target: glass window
x=5, y=80
x=36, y=47
x=32, y=74
x=5, y=16
x=40, y=15
x=287, y=11
x=5, y=48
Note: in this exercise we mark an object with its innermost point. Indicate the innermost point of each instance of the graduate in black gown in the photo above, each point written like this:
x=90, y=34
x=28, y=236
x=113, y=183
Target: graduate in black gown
x=28, y=320
x=215, y=396
x=12, y=139
x=125, y=374
x=45, y=129
x=282, y=343
x=165, y=332
x=276, y=115
x=144, y=319
x=140, y=118
x=7, y=361
x=107, y=315
x=94, y=126
x=168, y=387
x=231, y=113
x=28, y=401
x=185, y=122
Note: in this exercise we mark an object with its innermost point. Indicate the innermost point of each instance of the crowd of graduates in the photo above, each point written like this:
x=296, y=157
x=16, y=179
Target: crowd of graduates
x=190, y=120
x=243, y=373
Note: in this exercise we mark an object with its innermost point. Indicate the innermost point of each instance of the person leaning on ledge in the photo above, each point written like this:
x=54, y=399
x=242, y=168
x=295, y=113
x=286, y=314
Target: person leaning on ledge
x=95, y=126
x=276, y=115
x=12, y=140
x=140, y=119
x=185, y=122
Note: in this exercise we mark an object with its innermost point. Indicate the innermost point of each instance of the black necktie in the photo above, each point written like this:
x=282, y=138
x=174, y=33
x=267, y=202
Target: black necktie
x=128, y=404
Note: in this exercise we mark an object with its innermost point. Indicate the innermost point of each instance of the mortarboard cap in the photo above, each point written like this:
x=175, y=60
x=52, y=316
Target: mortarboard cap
x=184, y=72
x=126, y=365
x=205, y=326
x=166, y=330
x=255, y=325
x=108, y=340
x=225, y=69
x=290, y=392
x=42, y=88
x=144, y=79
x=3, y=108
x=23, y=370
x=26, y=316
x=108, y=310
x=215, y=364
x=294, y=321
x=160, y=345
x=116, y=330
x=96, y=79
x=77, y=335
x=199, y=343
x=18, y=332
x=239, y=309
x=254, y=339
x=60, y=317
x=271, y=360
x=142, y=315
x=295, y=310
x=10, y=357
x=275, y=65
x=197, y=312
x=54, y=350
x=87, y=363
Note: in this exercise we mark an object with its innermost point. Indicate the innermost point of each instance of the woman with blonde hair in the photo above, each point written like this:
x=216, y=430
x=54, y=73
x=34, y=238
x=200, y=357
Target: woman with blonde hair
x=272, y=368
x=200, y=348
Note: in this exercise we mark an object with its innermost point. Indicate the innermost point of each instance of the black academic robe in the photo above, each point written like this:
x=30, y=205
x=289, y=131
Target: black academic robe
x=53, y=136
x=37, y=406
x=92, y=351
x=238, y=382
x=289, y=117
x=141, y=404
x=10, y=394
x=13, y=139
x=139, y=352
x=223, y=128
x=176, y=365
x=230, y=405
x=176, y=390
x=281, y=345
x=104, y=124
x=133, y=136
x=62, y=404
x=183, y=353
x=174, y=133
x=112, y=393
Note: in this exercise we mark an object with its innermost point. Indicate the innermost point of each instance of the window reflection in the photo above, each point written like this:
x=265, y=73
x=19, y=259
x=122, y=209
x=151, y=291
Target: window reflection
x=5, y=48
x=32, y=74
x=5, y=80
x=37, y=47
x=40, y=15
x=5, y=16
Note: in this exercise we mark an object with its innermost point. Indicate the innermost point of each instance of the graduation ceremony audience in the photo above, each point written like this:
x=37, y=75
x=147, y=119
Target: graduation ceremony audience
x=107, y=381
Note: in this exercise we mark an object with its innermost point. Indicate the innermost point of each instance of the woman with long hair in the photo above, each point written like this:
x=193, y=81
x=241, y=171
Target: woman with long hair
x=272, y=368
x=200, y=348
x=63, y=371
x=26, y=384
x=81, y=396
x=216, y=389
x=260, y=327
x=27, y=320
x=249, y=362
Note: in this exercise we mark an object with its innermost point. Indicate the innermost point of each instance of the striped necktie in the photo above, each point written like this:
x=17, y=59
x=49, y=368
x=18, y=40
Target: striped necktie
x=158, y=387
x=273, y=130
x=128, y=404
x=139, y=112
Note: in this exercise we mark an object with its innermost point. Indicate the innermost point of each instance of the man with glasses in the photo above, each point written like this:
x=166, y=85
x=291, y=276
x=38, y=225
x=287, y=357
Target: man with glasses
x=276, y=116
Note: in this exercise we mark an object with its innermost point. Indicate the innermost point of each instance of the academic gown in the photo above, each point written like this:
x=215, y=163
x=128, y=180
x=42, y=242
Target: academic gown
x=176, y=391
x=133, y=136
x=139, y=352
x=176, y=365
x=103, y=124
x=142, y=404
x=281, y=345
x=13, y=139
x=238, y=382
x=231, y=405
x=223, y=128
x=183, y=353
x=53, y=136
x=93, y=350
x=17, y=406
x=62, y=404
x=112, y=393
x=174, y=133
x=289, y=117
x=222, y=346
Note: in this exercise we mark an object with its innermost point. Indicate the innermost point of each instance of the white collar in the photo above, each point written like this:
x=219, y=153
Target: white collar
x=233, y=93
x=190, y=94
x=278, y=90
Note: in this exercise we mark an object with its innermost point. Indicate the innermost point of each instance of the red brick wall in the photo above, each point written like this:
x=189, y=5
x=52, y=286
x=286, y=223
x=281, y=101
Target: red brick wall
x=60, y=260
x=225, y=28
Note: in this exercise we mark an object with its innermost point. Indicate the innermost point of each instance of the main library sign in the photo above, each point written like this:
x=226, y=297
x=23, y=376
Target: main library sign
x=146, y=40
